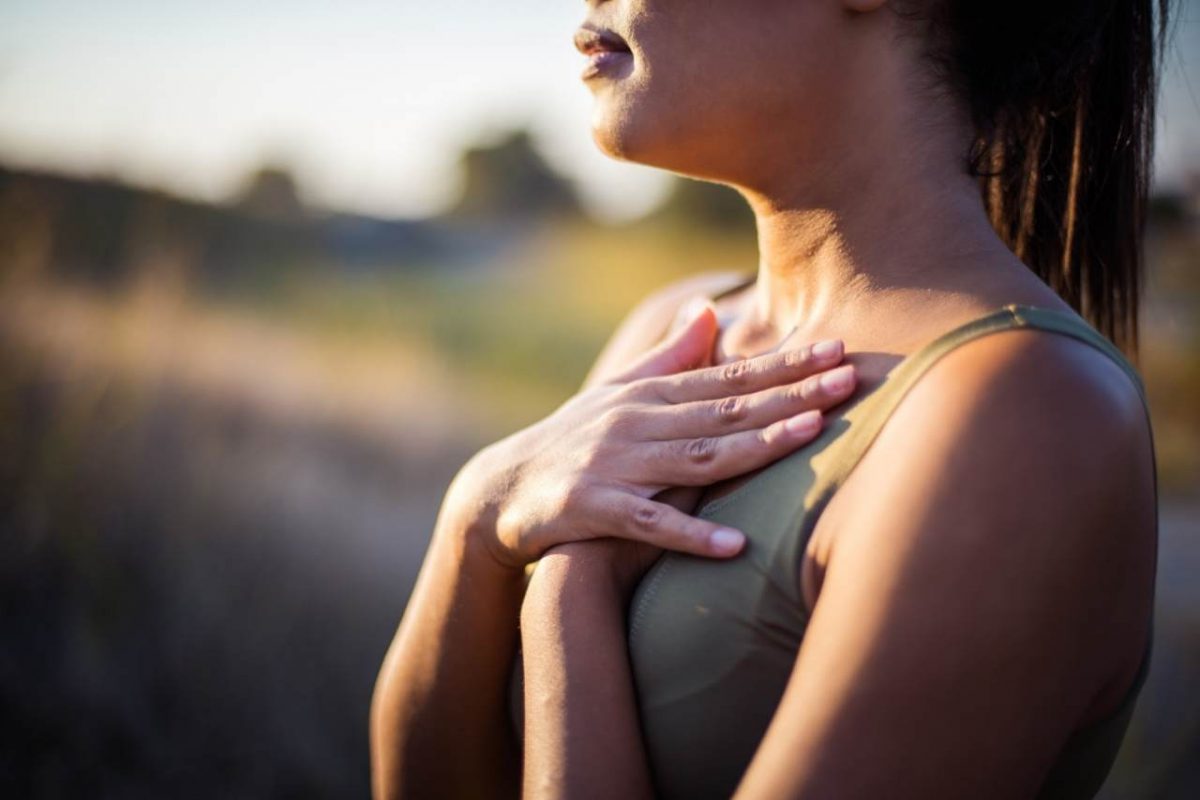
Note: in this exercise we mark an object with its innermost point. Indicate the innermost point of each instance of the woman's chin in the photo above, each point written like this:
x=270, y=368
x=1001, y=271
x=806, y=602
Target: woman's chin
x=651, y=127
x=622, y=135
x=611, y=143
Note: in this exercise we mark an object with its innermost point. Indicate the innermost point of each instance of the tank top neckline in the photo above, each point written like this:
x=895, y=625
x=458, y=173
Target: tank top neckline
x=1019, y=313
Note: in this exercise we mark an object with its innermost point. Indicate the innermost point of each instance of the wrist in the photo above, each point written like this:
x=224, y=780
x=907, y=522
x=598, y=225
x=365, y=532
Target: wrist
x=472, y=508
x=569, y=575
x=467, y=538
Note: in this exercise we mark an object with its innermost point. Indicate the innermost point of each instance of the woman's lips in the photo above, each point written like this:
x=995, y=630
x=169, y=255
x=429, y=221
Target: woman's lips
x=607, y=53
x=605, y=62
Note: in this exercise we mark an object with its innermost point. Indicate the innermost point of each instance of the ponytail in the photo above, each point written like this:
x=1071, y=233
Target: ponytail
x=1062, y=95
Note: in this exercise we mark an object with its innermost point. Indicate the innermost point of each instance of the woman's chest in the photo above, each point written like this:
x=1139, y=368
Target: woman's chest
x=711, y=646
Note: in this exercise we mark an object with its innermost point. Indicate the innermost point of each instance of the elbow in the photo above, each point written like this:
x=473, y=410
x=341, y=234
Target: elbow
x=385, y=741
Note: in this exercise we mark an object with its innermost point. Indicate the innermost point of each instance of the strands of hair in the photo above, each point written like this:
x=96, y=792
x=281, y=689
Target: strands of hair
x=1062, y=96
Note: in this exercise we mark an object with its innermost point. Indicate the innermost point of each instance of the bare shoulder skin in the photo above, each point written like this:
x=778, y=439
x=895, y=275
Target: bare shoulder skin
x=977, y=605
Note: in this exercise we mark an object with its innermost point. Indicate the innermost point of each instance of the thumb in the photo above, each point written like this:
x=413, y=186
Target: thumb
x=688, y=347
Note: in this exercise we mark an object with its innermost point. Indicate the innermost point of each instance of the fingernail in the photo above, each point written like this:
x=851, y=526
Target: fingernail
x=827, y=350
x=803, y=424
x=695, y=308
x=726, y=541
x=837, y=380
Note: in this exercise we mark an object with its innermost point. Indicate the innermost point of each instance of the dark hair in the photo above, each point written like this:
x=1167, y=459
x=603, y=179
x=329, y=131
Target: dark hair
x=1062, y=95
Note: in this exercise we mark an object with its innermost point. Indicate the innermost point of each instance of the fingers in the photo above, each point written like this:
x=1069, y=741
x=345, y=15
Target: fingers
x=703, y=460
x=744, y=376
x=687, y=348
x=742, y=412
x=630, y=516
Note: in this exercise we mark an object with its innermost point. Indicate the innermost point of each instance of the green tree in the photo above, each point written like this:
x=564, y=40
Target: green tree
x=511, y=180
x=272, y=192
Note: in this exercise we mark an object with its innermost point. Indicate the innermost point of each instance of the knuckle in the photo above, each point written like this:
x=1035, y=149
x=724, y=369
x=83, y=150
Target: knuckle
x=701, y=450
x=795, y=393
x=730, y=409
x=591, y=455
x=736, y=373
x=631, y=390
x=644, y=389
x=617, y=420
x=646, y=516
x=793, y=359
x=572, y=496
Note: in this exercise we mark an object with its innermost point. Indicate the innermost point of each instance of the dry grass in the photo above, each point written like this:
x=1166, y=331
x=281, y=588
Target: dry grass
x=214, y=507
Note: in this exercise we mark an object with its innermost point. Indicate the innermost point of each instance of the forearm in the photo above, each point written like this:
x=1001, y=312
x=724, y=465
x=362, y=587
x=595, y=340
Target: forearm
x=582, y=737
x=439, y=717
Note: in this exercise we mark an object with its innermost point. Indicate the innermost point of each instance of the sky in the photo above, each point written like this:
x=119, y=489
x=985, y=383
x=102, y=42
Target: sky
x=368, y=102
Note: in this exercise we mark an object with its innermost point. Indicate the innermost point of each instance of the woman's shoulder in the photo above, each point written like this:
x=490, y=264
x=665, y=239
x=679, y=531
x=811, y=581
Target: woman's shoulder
x=1027, y=384
x=1021, y=463
x=648, y=321
x=1027, y=401
x=1062, y=388
x=990, y=568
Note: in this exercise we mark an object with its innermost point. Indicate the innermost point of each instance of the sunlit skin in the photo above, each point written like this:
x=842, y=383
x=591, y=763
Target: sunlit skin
x=1027, y=463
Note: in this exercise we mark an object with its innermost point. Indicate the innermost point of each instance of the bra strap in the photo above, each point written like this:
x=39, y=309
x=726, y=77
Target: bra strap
x=880, y=404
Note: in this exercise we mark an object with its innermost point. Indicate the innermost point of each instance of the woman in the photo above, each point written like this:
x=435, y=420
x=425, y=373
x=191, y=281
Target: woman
x=940, y=588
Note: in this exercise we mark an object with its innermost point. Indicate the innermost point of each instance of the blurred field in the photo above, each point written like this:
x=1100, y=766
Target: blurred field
x=217, y=482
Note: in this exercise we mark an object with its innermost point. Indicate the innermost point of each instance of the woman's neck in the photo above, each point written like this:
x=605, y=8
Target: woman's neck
x=885, y=239
x=873, y=212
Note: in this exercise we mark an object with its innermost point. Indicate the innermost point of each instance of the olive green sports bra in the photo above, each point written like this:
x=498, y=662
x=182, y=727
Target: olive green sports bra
x=712, y=643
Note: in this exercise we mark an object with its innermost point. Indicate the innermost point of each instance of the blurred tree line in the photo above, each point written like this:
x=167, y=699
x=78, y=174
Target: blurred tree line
x=103, y=232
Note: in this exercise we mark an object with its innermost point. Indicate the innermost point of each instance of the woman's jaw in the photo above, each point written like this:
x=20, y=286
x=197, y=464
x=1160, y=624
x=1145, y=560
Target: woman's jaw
x=718, y=90
x=773, y=97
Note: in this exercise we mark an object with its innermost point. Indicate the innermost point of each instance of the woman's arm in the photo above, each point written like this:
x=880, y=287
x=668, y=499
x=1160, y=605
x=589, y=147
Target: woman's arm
x=439, y=722
x=979, y=603
x=985, y=600
x=581, y=728
x=439, y=716
x=589, y=470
